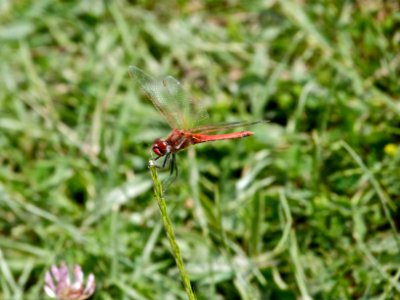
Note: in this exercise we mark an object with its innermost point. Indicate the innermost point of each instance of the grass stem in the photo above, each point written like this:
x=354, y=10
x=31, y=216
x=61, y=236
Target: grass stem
x=158, y=192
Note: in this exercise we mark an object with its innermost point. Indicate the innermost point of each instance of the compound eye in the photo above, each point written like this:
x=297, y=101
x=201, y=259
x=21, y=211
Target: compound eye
x=157, y=151
x=160, y=147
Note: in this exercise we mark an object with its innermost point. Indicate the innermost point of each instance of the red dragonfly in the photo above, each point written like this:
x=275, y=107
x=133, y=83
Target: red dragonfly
x=183, y=115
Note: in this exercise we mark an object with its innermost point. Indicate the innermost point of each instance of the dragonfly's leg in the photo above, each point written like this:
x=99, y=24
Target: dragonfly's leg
x=164, y=163
x=172, y=166
x=166, y=160
x=175, y=166
x=174, y=169
x=181, y=142
x=173, y=173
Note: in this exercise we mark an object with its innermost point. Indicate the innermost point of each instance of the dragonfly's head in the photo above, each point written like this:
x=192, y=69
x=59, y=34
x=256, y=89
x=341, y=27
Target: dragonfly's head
x=161, y=147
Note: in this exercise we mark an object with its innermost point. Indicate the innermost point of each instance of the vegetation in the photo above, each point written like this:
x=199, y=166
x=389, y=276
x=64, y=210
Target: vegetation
x=306, y=208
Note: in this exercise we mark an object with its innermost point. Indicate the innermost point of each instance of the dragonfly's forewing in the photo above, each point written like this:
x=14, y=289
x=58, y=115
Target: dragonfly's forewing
x=153, y=89
x=170, y=99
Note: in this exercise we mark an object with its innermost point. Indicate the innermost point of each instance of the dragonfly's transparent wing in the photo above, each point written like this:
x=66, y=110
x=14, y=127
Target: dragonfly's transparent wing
x=189, y=111
x=170, y=99
x=154, y=90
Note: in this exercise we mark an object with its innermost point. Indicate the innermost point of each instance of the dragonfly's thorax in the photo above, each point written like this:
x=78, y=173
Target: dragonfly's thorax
x=161, y=147
x=178, y=140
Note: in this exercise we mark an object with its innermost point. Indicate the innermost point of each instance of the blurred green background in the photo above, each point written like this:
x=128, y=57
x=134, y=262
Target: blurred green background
x=305, y=208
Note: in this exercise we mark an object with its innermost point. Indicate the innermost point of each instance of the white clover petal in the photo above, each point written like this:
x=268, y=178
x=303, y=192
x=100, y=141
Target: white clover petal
x=55, y=272
x=49, y=281
x=64, y=276
x=78, y=274
x=49, y=292
x=90, y=285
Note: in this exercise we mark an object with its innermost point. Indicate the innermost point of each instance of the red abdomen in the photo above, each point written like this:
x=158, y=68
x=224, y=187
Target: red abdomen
x=202, y=138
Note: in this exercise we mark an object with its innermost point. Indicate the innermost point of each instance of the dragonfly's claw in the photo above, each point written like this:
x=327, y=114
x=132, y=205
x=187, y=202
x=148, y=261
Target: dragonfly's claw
x=170, y=162
x=152, y=163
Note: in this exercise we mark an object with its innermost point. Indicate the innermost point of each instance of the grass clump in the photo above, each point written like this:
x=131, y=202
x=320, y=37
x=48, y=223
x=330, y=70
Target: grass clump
x=307, y=207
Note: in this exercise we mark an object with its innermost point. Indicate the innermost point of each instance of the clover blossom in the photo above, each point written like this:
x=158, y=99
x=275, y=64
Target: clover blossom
x=58, y=284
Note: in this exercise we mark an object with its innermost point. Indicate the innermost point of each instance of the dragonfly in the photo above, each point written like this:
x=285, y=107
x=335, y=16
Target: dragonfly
x=185, y=117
